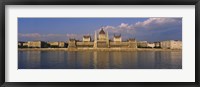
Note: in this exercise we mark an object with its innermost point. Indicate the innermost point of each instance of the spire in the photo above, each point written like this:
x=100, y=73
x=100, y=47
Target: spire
x=95, y=37
x=107, y=36
x=95, y=40
x=107, y=39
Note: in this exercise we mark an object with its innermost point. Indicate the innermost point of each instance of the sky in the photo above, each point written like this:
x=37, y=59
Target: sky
x=61, y=29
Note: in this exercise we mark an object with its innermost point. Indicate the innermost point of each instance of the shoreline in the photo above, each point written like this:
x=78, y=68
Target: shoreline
x=97, y=49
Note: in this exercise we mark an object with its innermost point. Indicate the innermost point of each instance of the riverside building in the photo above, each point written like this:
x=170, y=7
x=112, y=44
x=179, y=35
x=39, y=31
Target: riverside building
x=171, y=44
x=101, y=40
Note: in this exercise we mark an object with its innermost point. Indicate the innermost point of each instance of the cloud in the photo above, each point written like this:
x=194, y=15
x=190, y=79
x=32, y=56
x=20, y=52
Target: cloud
x=54, y=35
x=49, y=37
x=124, y=26
x=152, y=29
x=30, y=35
x=75, y=36
x=158, y=23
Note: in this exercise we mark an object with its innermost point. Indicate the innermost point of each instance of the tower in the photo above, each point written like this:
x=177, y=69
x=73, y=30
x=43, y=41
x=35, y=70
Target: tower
x=95, y=40
x=107, y=39
x=103, y=40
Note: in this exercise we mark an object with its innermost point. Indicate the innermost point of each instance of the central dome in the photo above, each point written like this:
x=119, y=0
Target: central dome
x=102, y=31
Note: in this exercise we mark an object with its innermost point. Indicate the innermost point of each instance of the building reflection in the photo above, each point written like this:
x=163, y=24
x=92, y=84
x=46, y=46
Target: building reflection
x=84, y=59
x=102, y=60
x=53, y=59
x=129, y=60
x=171, y=59
x=71, y=59
x=146, y=60
x=176, y=59
x=116, y=60
x=99, y=60
x=94, y=62
x=158, y=60
x=32, y=59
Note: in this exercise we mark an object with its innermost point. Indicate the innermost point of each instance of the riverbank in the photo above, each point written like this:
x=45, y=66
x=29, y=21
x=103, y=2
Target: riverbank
x=98, y=49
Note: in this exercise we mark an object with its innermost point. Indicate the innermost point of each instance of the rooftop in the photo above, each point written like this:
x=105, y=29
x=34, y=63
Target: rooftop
x=86, y=36
x=117, y=36
x=102, y=31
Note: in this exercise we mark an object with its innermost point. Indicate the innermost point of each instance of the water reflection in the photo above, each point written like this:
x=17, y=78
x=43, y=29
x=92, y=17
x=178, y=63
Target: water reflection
x=99, y=60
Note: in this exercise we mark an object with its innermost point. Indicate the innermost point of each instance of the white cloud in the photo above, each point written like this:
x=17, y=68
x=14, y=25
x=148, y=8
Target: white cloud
x=49, y=37
x=124, y=26
x=30, y=35
x=154, y=23
x=150, y=29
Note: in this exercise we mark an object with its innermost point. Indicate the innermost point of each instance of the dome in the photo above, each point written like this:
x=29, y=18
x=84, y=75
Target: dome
x=102, y=32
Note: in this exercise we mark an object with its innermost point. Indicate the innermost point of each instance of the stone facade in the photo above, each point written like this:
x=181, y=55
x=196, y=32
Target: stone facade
x=86, y=38
x=36, y=44
x=102, y=35
x=102, y=41
x=151, y=45
x=57, y=44
x=25, y=44
x=85, y=44
x=157, y=44
x=72, y=43
x=171, y=44
x=62, y=44
x=119, y=44
x=117, y=38
x=132, y=43
x=20, y=44
x=142, y=44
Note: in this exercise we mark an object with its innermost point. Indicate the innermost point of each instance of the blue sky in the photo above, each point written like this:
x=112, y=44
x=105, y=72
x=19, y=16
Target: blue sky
x=61, y=29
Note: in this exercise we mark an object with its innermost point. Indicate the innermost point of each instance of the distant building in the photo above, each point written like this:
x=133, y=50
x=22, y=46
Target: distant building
x=102, y=35
x=150, y=45
x=62, y=44
x=72, y=43
x=132, y=43
x=171, y=44
x=157, y=44
x=117, y=38
x=37, y=44
x=86, y=38
x=53, y=44
x=102, y=41
x=142, y=44
x=84, y=44
x=20, y=44
x=117, y=42
x=25, y=44
x=57, y=44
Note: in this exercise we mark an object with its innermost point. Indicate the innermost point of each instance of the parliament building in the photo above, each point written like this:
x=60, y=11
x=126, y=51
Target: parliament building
x=101, y=40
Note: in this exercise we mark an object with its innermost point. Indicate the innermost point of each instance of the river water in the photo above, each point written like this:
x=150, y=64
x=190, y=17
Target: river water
x=99, y=60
